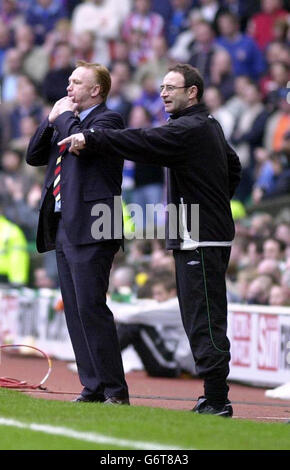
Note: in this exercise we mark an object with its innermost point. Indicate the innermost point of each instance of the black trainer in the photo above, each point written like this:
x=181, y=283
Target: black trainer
x=203, y=407
x=116, y=401
x=87, y=399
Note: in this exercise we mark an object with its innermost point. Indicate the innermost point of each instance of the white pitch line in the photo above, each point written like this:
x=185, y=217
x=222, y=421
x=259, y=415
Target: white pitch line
x=261, y=417
x=85, y=436
x=273, y=417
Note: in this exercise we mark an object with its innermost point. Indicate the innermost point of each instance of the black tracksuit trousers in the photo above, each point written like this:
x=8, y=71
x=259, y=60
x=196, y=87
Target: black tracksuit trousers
x=201, y=289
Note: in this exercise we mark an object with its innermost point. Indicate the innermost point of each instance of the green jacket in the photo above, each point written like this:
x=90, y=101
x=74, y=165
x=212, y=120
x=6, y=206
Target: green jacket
x=14, y=258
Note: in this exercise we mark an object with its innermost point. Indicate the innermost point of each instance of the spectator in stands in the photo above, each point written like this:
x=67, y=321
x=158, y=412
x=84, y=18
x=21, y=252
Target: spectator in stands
x=42, y=16
x=130, y=88
x=61, y=34
x=27, y=127
x=137, y=255
x=246, y=57
x=178, y=20
x=244, y=9
x=163, y=287
x=270, y=267
x=12, y=177
x=241, y=286
x=4, y=44
x=214, y=101
x=160, y=263
x=56, y=80
x=120, y=51
x=151, y=101
x=163, y=7
x=282, y=29
x=12, y=69
x=41, y=280
x=248, y=135
x=259, y=290
x=14, y=259
x=278, y=124
x=278, y=296
x=238, y=254
x=23, y=207
x=236, y=104
x=274, y=83
x=103, y=17
x=116, y=100
x=221, y=74
x=139, y=29
x=281, y=178
x=71, y=5
x=11, y=12
x=86, y=48
x=122, y=283
x=4, y=128
x=210, y=10
x=203, y=49
x=128, y=182
x=264, y=175
x=254, y=252
x=140, y=252
x=277, y=51
x=159, y=63
x=35, y=58
x=285, y=283
x=273, y=249
x=273, y=174
x=179, y=51
x=277, y=182
x=262, y=225
x=282, y=232
x=27, y=104
x=262, y=24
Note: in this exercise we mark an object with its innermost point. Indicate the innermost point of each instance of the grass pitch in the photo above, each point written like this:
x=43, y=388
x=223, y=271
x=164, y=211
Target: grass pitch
x=38, y=424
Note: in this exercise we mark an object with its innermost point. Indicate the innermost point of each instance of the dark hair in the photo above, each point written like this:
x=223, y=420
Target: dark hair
x=258, y=242
x=230, y=14
x=191, y=77
x=165, y=278
x=2, y=202
x=282, y=245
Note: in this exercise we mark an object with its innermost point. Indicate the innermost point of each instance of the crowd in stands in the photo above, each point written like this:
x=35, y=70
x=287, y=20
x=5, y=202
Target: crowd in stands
x=241, y=47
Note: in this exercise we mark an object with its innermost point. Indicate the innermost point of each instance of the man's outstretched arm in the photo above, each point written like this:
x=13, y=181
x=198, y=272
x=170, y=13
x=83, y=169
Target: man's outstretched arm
x=162, y=146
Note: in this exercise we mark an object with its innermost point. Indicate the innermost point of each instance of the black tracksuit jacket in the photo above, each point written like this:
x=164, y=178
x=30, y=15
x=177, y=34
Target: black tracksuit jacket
x=202, y=168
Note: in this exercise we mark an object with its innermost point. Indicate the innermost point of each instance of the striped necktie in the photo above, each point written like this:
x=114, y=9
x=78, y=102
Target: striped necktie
x=57, y=172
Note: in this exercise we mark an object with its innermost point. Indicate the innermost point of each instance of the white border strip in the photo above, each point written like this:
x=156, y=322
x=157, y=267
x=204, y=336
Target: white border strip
x=85, y=436
x=254, y=309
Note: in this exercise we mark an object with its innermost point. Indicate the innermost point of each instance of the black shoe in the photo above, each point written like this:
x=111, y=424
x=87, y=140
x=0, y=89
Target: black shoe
x=82, y=399
x=117, y=401
x=203, y=407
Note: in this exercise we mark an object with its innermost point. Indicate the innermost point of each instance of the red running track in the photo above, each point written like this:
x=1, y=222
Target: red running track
x=179, y=394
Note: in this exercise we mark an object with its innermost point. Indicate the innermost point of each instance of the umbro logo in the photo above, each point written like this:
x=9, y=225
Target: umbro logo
x=193, y=262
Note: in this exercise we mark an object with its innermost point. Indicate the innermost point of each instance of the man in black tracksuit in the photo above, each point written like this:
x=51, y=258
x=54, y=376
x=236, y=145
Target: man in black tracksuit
x=203, y=170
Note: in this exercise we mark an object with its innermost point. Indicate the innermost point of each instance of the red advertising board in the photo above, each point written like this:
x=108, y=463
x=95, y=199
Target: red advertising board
x=241, y=339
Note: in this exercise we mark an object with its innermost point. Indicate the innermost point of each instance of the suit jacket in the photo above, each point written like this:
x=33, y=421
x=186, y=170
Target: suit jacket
x=86, y=180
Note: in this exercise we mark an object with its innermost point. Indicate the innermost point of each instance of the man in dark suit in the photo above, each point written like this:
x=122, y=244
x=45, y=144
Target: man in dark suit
x=73, y=186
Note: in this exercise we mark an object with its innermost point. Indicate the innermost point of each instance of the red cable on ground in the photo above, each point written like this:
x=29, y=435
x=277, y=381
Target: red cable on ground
x=8, y=382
